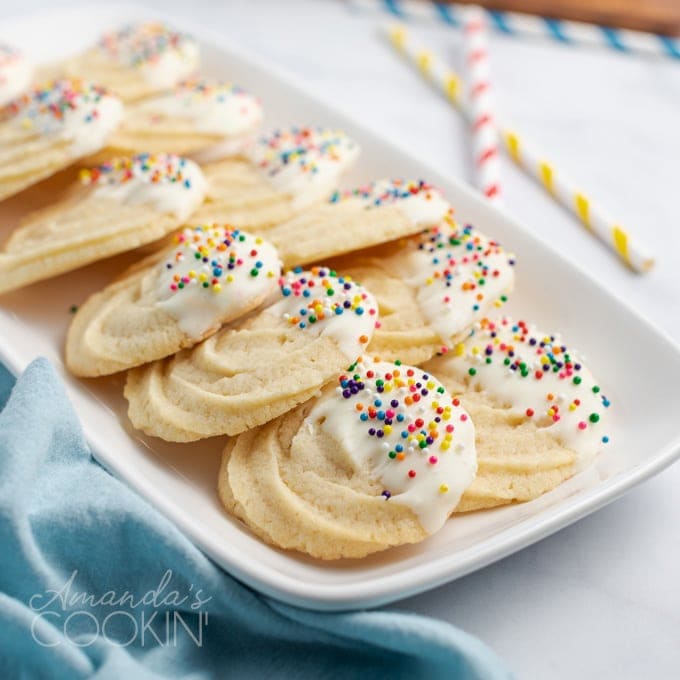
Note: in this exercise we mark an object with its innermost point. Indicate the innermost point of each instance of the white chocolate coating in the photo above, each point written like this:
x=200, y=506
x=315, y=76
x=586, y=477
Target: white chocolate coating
x=80, y=113
x=216, y=274
x=401, y=424
x=164, y=182
x=162, y=56
x=320, y=303
x=420, y=202
x=304, y=162
x=537, y=376
x=214, y=108
x=457, y=273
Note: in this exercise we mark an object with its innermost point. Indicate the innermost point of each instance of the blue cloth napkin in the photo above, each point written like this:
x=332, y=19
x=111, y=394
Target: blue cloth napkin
x=95, y=583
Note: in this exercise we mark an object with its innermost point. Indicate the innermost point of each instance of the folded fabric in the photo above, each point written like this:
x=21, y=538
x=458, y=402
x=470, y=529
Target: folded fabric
x=95, y=583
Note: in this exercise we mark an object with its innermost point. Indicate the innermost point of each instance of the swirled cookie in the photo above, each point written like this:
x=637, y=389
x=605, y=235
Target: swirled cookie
x=137, y=60
x=431, y=288
x=119, y=206
x=200, y=116
x=351, y=220
x=210, y=276
x=380, y=459
x=49, y=127
x=285, y=173
x=539, y=414
x=254, y=371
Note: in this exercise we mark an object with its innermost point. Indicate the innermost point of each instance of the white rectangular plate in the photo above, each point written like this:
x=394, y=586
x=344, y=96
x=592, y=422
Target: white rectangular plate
x=637, y=365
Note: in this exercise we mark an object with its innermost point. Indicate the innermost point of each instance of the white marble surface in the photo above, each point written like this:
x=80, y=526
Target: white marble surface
x=601, y=598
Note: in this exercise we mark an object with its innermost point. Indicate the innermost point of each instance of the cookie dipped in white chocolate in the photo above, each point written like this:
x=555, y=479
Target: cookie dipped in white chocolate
x=458, y=274
x=304, y=162
x=16, y=72
x=79, y=114
x=166, y=183
x=215, y=274
x=399, y=423
x=538, y=377
x=431, y=287
x=172, y=300
x=117, y=206
x=371, y=214
x=209, y=106
x=255, y=370
x=161, y=55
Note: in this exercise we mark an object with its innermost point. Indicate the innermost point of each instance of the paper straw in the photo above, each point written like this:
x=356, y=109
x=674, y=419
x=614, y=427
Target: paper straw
x=595, y=218
x=479, y=95
x=526, y=25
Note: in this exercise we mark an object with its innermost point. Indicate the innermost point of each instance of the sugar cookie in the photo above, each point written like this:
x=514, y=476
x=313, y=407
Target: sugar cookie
x=138, y=60
x=200, y=115
x=175, y=299
x=16, y=72
x=253, y=372
x=51, y=126
x=380, y=459
x=539, y=414
x=430, y=288
x=371, y=214
x=120, y=206
x=286, y=172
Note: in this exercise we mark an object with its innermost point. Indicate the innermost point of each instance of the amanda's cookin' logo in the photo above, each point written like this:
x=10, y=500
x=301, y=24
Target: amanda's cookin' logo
x=160, y=616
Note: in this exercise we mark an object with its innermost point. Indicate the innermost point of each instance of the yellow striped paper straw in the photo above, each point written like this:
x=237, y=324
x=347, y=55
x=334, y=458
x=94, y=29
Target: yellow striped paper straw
x=593, y=216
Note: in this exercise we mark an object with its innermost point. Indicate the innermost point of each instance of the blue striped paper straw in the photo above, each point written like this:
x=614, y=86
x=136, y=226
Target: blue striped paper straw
x=527, y=25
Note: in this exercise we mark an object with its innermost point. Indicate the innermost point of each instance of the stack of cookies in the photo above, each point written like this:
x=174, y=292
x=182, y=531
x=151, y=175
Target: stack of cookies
x=348, y=344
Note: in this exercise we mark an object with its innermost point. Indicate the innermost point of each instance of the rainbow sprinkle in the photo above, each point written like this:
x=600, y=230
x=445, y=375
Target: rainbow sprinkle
x=324, y=295
x=138, y=44
x=216, y=254
x=406, y=408
x=452, y=249
x=155, y=169
x=386, y=192
x=205, y=89
x=302, y=147
x=531, y=356
x=47, y=105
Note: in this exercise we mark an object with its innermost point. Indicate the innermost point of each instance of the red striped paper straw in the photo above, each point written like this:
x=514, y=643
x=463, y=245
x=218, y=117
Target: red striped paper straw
x=481, y=104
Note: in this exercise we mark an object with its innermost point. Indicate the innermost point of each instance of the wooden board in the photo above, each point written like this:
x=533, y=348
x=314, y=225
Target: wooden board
x=657, y=16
